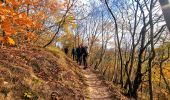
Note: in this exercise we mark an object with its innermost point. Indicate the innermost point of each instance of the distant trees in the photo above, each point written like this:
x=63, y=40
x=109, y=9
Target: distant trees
x=135, y=29
x=65, y=21
x=141, y=24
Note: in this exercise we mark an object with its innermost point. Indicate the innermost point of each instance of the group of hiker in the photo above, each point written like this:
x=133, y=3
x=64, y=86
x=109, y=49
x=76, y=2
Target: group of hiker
x=79, y=54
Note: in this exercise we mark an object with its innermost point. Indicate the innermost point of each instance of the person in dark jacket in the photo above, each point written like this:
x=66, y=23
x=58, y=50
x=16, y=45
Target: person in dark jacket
x=79, y=54
x=66, y=50
x=84, y=56
x=74, y=53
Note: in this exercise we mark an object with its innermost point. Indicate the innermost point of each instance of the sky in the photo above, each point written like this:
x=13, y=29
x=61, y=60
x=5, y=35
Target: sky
x=85, y=1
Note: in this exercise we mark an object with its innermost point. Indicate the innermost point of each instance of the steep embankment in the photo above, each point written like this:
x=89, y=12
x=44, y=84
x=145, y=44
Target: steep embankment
x=34, y=73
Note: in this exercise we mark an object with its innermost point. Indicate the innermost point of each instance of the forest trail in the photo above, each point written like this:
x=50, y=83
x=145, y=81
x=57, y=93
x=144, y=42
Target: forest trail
x=98, y=89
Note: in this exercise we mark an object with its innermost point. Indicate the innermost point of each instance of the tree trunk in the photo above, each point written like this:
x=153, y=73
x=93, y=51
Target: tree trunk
x=165, y=5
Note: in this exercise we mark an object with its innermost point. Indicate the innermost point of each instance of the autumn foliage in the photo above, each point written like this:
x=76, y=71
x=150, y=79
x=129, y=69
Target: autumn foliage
x=22, y=20
x=14, y=21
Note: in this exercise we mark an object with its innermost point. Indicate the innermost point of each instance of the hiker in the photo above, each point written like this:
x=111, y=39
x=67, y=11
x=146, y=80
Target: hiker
x=74, y=53
x=84, y=56
x=66, y=50
x=79, y=54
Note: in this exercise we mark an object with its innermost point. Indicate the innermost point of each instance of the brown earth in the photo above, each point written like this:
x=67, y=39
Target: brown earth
x=32, y=73
x=98, y=89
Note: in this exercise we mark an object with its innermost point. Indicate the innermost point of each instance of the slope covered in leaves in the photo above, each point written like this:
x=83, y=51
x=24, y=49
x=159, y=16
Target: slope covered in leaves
x=35, y=73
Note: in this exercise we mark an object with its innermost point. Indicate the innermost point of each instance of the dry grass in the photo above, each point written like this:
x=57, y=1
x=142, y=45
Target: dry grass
x=36, y=73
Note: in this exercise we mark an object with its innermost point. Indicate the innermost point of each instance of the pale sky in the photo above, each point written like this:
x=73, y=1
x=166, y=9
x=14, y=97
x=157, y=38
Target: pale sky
x=85, y=1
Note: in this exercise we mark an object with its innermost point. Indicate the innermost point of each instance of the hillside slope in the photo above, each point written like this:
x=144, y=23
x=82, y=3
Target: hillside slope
x=32, y=73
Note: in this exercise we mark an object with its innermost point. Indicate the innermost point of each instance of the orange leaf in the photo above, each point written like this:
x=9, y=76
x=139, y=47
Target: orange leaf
x=8, y=28
x=1, y=38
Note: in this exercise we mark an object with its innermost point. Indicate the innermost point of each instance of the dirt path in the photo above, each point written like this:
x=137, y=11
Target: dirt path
x=98, y=89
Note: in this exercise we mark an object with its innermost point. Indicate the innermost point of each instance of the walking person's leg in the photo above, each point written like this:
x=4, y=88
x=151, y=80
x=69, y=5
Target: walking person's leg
x=77, y=59
x=73, y=56
x=80, y=60
x=85, y=61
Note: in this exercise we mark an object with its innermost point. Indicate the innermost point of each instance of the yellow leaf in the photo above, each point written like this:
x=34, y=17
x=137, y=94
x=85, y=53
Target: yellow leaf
x=10, y=41
x=74, y=26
